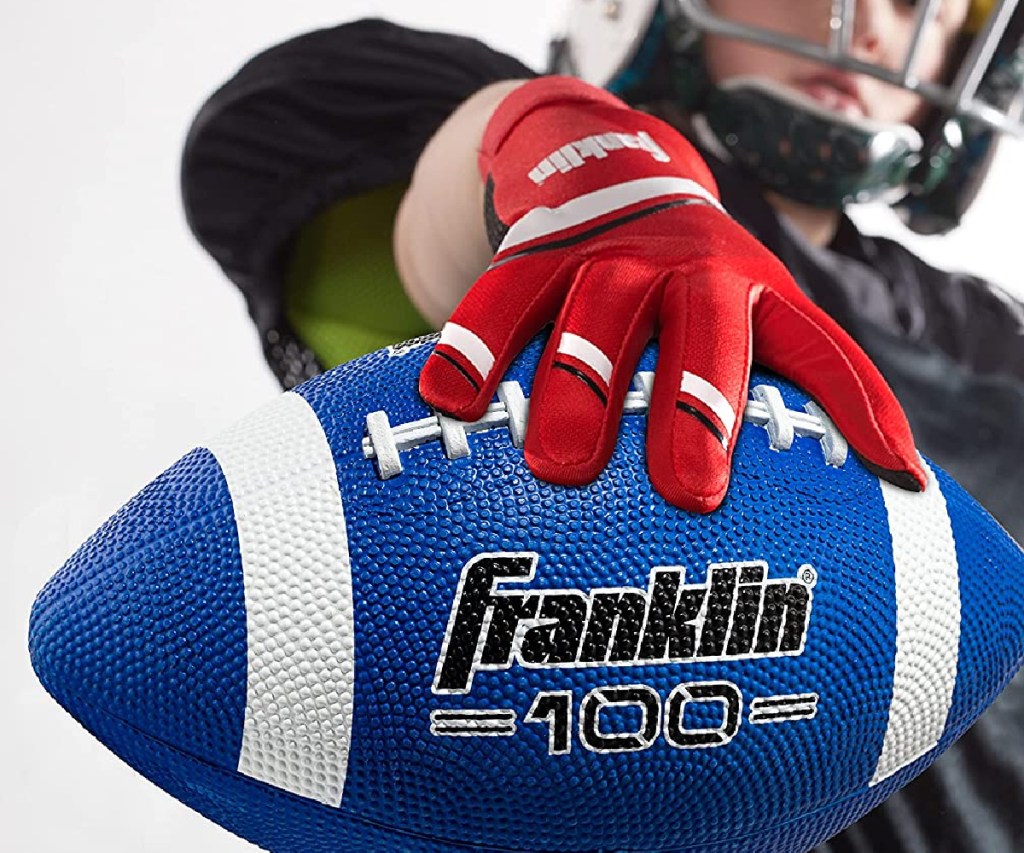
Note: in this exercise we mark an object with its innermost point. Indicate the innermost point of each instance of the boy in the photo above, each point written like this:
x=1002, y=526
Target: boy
x=296, y=166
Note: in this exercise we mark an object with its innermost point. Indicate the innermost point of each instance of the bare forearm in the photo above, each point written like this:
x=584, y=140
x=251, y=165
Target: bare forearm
x=440, y=242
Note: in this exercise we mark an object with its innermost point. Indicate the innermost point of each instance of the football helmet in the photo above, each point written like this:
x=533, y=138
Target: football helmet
x=651, y=53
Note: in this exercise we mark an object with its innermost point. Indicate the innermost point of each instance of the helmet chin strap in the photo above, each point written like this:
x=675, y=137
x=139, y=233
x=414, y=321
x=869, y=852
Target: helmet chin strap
x=795, y=146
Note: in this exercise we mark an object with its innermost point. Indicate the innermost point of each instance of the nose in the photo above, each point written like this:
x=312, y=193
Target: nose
x=874, y=25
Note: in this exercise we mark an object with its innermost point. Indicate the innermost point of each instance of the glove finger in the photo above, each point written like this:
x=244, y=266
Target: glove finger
x=809, y=347
x=700, y=388
x=585, y=373
x=503, y=309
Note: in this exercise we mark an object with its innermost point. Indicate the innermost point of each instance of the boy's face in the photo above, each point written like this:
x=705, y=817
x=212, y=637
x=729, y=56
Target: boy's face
x=883, y=33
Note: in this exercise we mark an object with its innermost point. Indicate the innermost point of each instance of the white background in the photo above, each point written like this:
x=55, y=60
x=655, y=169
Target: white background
x=123, y=346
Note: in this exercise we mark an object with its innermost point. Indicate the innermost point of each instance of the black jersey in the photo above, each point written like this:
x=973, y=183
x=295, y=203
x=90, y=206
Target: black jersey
x=341, y=111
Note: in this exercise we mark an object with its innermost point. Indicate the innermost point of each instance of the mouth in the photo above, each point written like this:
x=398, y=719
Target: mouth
x=838, y=94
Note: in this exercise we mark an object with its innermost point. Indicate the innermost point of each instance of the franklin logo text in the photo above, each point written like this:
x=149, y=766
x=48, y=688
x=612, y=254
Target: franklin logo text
x=737, y=612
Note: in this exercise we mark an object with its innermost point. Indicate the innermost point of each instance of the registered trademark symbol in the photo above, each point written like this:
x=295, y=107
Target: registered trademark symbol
x=808, y=575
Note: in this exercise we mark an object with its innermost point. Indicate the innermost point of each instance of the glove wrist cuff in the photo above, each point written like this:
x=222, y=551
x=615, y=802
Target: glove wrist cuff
x=540, y=92
x=555, y=140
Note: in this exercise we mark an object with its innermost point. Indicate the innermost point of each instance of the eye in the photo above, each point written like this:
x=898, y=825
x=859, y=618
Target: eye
x=948, y=10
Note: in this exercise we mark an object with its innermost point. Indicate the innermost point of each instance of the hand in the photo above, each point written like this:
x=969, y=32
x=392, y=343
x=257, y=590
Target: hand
x=608, y=223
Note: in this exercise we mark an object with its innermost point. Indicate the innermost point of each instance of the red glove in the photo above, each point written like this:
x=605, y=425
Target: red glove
x=611, y=227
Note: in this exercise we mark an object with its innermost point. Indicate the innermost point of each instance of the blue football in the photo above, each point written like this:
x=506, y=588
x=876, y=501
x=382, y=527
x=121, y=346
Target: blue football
x=350, y=624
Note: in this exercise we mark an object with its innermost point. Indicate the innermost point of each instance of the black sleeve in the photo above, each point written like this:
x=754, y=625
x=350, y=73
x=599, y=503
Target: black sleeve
x=324, y=116
x=976, y=324
x=951, y=345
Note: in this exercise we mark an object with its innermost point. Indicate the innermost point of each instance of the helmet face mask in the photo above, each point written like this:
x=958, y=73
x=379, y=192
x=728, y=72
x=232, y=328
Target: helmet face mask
x=928, y=166
x=961, y=91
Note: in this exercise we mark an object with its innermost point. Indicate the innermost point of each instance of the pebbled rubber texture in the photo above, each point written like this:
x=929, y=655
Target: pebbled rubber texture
x=142, y=637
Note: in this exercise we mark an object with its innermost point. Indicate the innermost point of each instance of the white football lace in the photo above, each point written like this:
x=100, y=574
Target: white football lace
x=387, y=443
